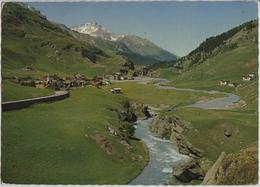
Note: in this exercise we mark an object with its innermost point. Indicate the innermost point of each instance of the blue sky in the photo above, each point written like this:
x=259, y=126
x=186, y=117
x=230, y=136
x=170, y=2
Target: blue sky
x=178, y=27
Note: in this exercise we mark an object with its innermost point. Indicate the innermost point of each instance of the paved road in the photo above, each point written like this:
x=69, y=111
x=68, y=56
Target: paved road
x=18, y=104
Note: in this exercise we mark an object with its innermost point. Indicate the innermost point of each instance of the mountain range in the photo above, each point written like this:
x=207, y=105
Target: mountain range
x=131, y=46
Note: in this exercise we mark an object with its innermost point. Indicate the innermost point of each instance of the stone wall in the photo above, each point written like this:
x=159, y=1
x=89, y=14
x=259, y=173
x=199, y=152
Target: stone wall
x=13, y=105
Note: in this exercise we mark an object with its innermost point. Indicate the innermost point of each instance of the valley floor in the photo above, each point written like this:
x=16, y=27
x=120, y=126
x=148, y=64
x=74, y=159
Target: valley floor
x=208, y=127
x=68, y=142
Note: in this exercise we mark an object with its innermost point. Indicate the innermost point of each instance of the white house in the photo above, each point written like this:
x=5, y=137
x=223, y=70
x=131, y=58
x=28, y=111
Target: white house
x=223, y=83
x=116, y=90
x=252, y=75
x=247, y=78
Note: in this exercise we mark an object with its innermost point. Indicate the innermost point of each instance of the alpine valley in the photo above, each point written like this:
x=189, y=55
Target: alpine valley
x=83, y=105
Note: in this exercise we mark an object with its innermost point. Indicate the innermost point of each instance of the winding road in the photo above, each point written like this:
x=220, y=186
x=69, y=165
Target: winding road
x=23, y=103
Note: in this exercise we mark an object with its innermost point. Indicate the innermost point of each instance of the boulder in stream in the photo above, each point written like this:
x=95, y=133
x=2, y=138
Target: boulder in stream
x=188, y=170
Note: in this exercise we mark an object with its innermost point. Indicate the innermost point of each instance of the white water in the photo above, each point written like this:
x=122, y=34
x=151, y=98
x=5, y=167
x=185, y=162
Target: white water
x=163, y=156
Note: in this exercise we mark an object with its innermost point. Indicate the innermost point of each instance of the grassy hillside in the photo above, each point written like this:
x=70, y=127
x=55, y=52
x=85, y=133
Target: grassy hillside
x=217, y=61
x=12, y=91
x=30, y=40
x=68, y=142
x=245, y=34
x=209, y=126
x=220, y=67
x=226, y=64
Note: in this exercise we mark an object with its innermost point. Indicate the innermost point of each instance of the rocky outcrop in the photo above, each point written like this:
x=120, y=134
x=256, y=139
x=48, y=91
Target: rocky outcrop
x=210, y=177
x=126, y=115
x=173, y=128
x=185, y=147
x=140, y=110
x=146, y=111
x=236, y=169
x=188, y=171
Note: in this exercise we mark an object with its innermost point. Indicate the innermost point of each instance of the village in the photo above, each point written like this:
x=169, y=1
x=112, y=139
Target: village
x=55, y=82
x=249, y=77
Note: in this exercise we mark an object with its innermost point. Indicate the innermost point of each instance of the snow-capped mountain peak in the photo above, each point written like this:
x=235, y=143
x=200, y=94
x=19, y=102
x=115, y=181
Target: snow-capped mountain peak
x=96, y=30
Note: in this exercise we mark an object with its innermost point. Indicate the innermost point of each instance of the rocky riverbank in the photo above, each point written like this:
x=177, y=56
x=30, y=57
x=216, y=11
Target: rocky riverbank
x=173, y=128
x=235, y=168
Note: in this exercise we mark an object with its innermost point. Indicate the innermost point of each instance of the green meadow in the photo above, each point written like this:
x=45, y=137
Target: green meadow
x=209, y=127
x=52, y=143
x=150, y=95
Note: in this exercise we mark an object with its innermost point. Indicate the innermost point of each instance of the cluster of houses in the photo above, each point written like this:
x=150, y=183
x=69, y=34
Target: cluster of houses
x=228, y=83
x=57, y=83
x=78, y=80
x=125, y=75
x=249, y=76
x=119, y=76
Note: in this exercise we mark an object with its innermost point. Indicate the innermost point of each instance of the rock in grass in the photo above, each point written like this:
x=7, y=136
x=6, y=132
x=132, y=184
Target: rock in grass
x=188, y=171
x=228, y=133
x=104, y=143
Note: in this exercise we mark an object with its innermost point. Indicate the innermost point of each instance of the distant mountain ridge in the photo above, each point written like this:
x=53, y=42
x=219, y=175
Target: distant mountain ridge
x=95, y=30
x=229, y=40
x=138, y=49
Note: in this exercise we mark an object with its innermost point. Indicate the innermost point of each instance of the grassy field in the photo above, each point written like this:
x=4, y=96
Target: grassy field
x=12, y=91
x=209, y=126
x=53, y=143
x=149, y=94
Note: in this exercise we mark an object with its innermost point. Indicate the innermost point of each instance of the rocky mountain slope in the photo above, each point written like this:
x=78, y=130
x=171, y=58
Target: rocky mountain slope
x=138, y=49
x=96, y=30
